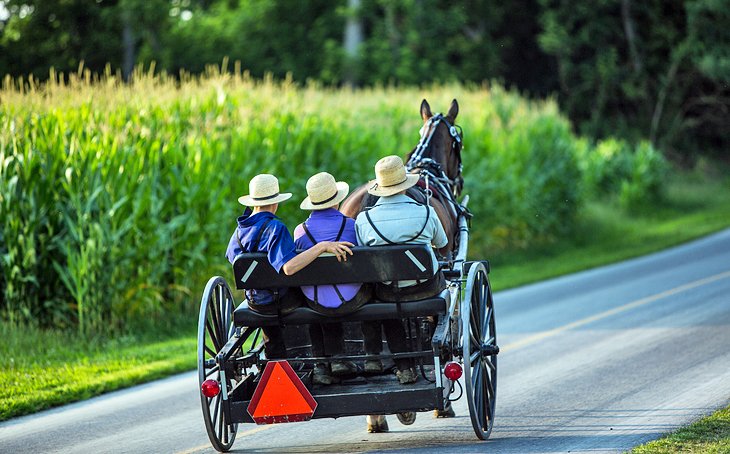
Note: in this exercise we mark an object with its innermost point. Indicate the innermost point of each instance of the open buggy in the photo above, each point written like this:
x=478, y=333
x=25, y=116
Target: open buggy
x=450, y=334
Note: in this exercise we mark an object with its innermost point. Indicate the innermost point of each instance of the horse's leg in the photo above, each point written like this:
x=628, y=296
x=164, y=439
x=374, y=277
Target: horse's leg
x=377, y=423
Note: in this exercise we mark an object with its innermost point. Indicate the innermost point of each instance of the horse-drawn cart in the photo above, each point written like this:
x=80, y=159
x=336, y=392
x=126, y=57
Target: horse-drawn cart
x=447, y=334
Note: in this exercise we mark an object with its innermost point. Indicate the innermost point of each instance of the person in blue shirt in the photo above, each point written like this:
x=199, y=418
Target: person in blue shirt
x=259, y=230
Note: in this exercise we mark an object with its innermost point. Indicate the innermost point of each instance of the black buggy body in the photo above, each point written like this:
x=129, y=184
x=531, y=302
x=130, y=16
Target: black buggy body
x=455, y=328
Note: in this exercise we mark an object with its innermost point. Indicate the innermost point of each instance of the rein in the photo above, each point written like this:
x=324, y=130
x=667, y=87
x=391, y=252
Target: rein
x=431, y=170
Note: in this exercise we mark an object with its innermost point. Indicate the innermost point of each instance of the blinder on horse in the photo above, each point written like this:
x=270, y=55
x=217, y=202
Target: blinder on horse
x=431, y=170
x=417, y=159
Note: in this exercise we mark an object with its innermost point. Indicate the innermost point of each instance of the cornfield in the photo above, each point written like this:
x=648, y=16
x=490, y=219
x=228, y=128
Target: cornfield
x=117, y=200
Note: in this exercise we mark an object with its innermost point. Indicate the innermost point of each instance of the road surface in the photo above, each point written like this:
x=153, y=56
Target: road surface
x=598, y=361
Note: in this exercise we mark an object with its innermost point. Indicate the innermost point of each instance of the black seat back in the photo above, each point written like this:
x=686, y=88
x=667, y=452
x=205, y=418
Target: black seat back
x=367, y=264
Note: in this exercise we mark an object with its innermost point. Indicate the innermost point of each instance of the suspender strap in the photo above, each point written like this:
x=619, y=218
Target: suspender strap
x=314, y=241
x=372, y=224
x=260, y=234
x=337, y=238
x=342, y=228
x=309, y=234
x=257, y=240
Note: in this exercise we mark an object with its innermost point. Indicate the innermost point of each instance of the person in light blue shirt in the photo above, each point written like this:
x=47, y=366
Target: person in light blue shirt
x=398, y=219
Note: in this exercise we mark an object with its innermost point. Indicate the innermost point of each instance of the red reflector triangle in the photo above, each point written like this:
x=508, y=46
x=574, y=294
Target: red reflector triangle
x=281, y=396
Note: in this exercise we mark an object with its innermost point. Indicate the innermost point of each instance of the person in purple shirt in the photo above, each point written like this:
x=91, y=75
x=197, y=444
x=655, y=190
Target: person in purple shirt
x=326, y=223
x=259, y=230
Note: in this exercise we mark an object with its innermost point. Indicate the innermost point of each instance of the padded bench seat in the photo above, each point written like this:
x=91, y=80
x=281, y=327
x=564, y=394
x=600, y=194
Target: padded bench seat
x=375, y=310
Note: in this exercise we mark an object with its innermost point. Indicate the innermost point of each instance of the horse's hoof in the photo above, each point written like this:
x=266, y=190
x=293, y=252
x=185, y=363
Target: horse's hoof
x=377, y=424
x=447, y=412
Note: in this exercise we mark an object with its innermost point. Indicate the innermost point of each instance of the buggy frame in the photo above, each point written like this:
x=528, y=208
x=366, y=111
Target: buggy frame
x=456, y=326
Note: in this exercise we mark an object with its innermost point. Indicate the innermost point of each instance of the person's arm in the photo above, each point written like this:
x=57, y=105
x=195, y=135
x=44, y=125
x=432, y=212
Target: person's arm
x=339, y=248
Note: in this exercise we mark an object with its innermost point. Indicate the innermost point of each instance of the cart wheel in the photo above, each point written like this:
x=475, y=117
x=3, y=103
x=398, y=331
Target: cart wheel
x=215, y=327
x=479, y=341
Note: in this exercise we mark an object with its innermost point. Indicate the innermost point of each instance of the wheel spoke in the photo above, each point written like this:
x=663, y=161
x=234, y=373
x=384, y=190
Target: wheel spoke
x=216, y=323
x=213, y=306
x=215, y=411
x=475, y=343
x=220, y=426
x=485, y=324
x=212, y=335
x=212, y=370
x=225, y=432
x=223, y=308
x=489, y=364
x=209, y=351
x=478, y=396
x=489, y=391
x=490, y=388
x=229, y=319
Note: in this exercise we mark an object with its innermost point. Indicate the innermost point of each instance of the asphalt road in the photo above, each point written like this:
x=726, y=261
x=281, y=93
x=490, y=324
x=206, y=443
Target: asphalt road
x=598, y=361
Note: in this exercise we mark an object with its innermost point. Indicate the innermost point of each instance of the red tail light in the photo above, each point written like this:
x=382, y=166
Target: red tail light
x=453, y=371
x=210, y=388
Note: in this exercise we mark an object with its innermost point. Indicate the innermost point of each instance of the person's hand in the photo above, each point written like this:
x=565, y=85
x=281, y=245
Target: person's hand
x=339, y=248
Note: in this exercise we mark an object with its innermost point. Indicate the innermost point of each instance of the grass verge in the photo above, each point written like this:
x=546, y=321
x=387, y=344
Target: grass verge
x=708, y=435
x=695, y=206
x=41, y=369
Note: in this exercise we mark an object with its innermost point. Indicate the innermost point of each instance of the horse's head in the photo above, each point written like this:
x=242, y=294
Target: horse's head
x=439, y=149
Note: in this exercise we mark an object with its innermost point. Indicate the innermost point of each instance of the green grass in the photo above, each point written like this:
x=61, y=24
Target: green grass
x=708, y=435
x=604, y=233
x=40, y=369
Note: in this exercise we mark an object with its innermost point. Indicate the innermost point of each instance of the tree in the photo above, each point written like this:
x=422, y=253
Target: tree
x=39, y=34
x=643, y=69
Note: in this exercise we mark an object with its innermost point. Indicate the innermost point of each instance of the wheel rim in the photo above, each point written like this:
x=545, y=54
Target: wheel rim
x=215, y=327
x=478, y=335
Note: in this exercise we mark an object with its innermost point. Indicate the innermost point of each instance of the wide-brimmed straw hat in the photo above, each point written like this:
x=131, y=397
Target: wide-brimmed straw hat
x=323, y=192
x=391, y=177
x=263, y=190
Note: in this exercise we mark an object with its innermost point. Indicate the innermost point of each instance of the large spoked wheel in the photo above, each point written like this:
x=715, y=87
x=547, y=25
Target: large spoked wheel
x=479, y=343
x=215, y=327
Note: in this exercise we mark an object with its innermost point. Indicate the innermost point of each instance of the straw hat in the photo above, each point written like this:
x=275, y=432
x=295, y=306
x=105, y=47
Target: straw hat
x=263, y=190
x=391, y=177
x=323, y=192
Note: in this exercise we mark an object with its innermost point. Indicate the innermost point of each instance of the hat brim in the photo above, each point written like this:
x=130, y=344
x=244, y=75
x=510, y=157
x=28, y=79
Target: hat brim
x=249, y=201
x=342, y=190
x=384, y=191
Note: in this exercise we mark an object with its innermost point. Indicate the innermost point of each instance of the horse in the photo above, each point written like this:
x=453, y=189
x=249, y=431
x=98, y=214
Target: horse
x=437, y=158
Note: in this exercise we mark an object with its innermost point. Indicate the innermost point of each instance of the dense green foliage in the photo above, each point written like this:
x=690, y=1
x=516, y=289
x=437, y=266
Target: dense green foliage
x=117, y=200
x=654, y=70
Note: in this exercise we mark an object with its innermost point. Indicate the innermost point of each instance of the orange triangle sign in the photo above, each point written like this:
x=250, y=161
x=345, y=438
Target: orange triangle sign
x=281, y=396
